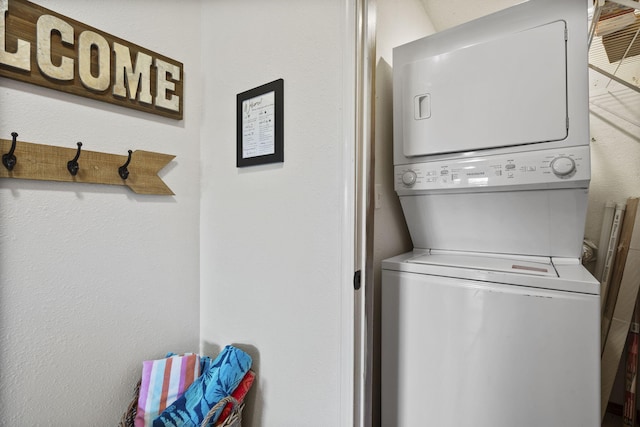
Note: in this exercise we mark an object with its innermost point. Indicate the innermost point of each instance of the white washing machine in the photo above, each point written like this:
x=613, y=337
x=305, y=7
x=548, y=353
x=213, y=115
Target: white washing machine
x=481, y=340
x=491, y=320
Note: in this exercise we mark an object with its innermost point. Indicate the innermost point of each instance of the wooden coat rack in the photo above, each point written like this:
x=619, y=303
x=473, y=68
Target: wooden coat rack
x=138, y=170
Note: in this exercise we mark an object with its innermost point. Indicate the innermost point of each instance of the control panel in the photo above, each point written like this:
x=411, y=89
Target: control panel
x=546, y=168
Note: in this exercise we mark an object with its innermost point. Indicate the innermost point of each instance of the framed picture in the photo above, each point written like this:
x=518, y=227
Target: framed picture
x=260, y=125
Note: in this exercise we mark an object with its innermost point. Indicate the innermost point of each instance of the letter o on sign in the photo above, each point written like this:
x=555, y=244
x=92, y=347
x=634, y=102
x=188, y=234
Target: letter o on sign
x=86, y=41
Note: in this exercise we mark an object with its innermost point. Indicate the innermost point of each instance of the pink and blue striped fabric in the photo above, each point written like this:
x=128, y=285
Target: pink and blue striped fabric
x=163, y=382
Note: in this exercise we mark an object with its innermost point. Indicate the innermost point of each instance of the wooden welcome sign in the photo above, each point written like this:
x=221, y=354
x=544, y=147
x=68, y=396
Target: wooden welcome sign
x=45, y=48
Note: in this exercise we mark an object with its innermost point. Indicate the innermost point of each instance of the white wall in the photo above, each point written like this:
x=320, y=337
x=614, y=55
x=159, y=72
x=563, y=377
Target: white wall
x=398, y=22
x=272, y=236
x=94, y=279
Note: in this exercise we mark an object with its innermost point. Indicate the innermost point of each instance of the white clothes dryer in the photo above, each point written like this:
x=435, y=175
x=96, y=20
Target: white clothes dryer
x=491, y=132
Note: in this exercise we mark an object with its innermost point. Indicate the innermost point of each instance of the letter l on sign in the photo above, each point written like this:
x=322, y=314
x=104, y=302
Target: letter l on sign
x=19, y=59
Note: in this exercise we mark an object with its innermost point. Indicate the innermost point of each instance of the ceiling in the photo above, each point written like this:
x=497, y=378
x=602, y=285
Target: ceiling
x=446, y=14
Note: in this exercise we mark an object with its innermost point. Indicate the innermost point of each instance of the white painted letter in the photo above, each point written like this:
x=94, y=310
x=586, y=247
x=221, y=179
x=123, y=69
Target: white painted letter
x=46, y=24
x=22, y=57
x=138, y=77
x=163, y=85
x=86, y=41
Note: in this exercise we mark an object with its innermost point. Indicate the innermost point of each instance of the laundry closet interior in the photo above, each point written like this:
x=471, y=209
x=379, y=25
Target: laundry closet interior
x=98, y=274
x=439, y=216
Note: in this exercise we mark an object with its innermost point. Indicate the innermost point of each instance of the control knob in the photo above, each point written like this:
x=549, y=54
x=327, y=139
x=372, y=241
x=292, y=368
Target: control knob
x=563, y=166
x=409, y=178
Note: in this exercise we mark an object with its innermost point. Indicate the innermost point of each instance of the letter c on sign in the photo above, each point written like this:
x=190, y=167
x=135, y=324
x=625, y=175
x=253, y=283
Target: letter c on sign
x=46, y=24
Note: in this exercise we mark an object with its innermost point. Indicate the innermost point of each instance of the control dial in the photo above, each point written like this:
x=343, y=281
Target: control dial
x=409, y=178
x=563, y=166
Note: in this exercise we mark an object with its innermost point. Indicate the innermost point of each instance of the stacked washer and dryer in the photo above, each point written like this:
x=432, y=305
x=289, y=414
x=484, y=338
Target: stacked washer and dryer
x=491, y=320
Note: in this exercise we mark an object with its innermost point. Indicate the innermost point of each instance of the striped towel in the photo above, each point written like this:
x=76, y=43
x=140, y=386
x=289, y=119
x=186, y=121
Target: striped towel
x=219, y=381
x=163, y=382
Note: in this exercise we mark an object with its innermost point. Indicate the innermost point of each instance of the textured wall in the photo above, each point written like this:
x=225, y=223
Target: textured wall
x=94, y=279
x=272, y=236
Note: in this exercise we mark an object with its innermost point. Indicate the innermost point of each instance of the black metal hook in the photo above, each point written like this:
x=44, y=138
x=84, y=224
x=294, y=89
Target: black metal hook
x=72, y=165
x=8, y=159
x=122, y=170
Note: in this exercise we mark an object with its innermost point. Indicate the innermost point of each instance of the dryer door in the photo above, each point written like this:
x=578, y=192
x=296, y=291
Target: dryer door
x=510, y=90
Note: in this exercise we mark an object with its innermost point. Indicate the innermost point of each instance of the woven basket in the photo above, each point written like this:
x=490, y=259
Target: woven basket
x=235, y=416
x=128, y=418
x=233, y=420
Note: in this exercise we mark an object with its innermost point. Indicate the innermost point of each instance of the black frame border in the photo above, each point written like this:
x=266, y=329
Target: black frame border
x=276, y=86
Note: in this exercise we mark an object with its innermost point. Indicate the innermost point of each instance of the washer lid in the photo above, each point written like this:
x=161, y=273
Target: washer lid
x=526, y=265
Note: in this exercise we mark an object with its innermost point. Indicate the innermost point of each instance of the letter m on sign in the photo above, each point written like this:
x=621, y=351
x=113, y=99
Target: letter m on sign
x=134, y=81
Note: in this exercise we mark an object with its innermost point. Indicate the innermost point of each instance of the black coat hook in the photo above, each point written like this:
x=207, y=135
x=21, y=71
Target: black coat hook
x=72, y=165
x=122, y=170
x=8, y=159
